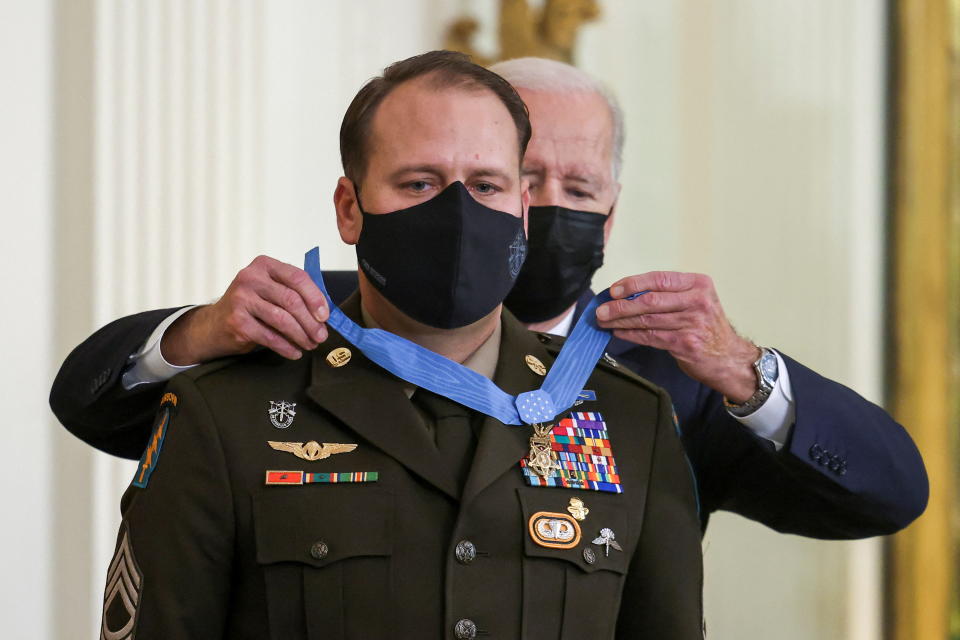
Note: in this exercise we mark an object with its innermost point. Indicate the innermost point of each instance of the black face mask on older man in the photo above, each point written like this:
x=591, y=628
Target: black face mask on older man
x=446, y=262
x=565, y=250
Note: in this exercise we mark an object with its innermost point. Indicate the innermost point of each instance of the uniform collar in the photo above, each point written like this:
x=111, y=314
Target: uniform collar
x=483, y=360
x=503, y=446
x=372, y=402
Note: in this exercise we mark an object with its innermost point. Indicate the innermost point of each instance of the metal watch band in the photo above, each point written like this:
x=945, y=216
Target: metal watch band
x=764, y=389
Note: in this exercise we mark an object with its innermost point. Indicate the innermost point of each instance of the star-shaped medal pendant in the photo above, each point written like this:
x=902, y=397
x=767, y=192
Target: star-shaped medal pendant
x=541, y=454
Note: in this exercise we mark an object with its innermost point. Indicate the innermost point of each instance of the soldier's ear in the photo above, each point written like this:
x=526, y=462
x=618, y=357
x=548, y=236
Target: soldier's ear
x=349, y=216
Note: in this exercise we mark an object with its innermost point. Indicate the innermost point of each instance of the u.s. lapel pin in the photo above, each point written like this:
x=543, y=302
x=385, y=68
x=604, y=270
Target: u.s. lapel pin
x=282, y=413
x=339, y=357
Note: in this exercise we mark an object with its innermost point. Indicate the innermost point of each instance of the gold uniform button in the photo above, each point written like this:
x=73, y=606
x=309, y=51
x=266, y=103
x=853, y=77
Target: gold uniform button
x=339, y=357
x=535, y=365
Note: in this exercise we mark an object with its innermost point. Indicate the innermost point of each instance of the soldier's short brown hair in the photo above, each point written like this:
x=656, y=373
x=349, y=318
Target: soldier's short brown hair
x=447, y=69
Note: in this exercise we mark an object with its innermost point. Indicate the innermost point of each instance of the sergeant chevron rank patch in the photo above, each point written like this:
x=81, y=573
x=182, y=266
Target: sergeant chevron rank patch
x=581, y=448
x=121, y=597
x=148, y=462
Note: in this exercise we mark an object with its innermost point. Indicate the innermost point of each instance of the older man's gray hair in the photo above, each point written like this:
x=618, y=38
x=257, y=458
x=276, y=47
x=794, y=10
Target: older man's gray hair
x=540, y=74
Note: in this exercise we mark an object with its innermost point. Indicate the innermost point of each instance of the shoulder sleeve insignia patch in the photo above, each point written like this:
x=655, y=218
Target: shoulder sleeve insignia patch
x=148, y=462
x=121, y=597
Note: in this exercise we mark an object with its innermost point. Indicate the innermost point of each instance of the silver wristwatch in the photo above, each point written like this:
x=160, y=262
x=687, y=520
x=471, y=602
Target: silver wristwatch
x=767, y=373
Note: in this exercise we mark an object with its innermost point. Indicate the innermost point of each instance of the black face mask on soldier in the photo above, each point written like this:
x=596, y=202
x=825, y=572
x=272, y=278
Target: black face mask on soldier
x=446, y=262
x=565, y=250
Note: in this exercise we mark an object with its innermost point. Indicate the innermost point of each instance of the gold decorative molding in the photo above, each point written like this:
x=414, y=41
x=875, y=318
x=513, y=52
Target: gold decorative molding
x=925, y=382
x=547, y=32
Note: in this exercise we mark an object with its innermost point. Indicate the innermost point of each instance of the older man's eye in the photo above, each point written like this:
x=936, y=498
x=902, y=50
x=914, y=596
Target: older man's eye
x=418, y=186
x=579, y=194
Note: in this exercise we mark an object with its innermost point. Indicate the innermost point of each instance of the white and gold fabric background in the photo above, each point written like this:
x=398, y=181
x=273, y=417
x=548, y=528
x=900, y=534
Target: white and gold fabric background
x=152, y=149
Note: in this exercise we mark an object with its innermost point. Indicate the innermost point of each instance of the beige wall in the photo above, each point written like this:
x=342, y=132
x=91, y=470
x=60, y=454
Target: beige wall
x=190, y=135
x=754, y=154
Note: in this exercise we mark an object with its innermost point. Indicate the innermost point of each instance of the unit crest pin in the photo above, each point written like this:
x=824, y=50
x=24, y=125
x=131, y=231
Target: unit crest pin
x=282, y=413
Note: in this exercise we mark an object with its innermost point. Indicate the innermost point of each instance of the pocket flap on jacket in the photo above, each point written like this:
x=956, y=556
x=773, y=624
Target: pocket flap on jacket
x=319, y=528
x=606, y=512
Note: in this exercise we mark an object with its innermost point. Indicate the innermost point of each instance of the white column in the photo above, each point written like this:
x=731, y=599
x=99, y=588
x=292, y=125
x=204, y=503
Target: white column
x=179, y=103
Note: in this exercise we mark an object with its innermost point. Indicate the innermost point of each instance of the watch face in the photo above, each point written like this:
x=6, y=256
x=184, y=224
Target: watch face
x=768, y=367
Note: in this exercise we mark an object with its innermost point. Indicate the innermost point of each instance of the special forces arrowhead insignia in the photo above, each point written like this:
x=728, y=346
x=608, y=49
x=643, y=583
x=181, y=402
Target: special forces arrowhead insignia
x=151, y=455
x=607, y=539
x=282, y=413
x=312, y=450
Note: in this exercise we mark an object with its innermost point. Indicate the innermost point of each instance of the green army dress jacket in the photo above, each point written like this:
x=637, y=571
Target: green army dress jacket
x=207, y=549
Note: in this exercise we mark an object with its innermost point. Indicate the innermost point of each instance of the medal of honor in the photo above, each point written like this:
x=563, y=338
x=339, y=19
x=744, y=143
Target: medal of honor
x=539, y=408
x=541, y=458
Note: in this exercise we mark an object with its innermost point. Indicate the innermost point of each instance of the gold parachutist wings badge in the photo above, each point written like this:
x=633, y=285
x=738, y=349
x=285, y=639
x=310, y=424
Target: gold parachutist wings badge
x=312, y=450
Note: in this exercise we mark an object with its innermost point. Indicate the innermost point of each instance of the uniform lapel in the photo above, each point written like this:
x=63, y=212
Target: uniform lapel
x=371, y=401
x=502, y=446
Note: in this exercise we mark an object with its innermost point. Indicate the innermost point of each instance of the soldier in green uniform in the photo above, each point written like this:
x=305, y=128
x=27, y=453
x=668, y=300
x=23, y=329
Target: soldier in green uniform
x=328, y=498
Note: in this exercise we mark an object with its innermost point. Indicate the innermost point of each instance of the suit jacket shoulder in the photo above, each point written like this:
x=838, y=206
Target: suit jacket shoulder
x=606, y=364
x=88, y=397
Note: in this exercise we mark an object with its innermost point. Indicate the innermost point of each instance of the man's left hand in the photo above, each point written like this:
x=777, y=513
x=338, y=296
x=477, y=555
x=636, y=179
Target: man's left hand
x=681, y=314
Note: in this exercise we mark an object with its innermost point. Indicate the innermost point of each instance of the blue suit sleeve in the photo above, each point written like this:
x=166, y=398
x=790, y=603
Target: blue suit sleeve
x=848, y=471
x=857, y=445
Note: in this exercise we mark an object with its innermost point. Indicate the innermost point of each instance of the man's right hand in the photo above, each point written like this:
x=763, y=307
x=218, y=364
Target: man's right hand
x=269, y=303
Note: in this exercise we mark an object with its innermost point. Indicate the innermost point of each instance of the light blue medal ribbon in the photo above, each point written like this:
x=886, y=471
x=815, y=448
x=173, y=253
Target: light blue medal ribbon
x=424, y=368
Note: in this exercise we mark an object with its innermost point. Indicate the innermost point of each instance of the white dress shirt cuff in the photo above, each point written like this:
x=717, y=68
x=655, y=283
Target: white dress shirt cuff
x=774, y=419
x=149, y=365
